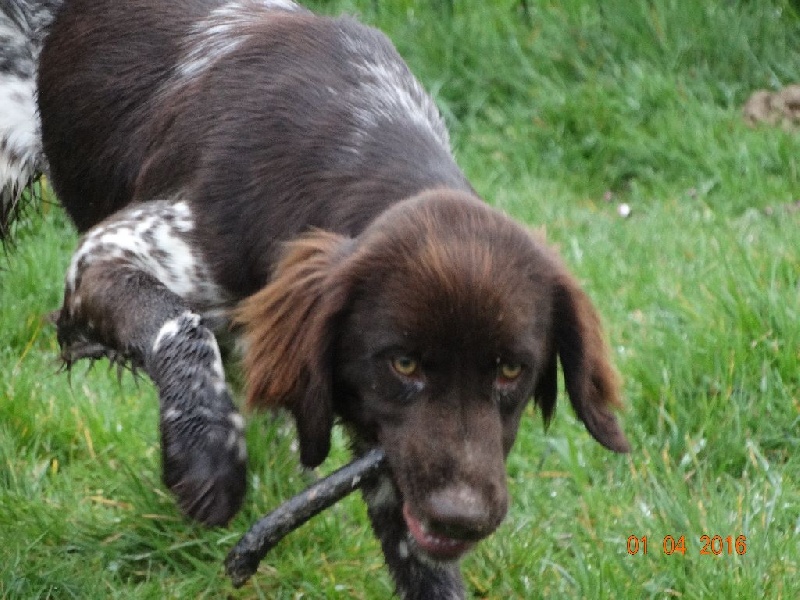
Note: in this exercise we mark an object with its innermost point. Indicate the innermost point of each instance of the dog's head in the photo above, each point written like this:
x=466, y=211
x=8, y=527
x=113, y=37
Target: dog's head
x=428, y=334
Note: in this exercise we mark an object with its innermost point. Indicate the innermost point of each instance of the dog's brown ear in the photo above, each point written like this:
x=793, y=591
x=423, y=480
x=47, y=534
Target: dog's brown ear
x=592, y=384
x=288, y=329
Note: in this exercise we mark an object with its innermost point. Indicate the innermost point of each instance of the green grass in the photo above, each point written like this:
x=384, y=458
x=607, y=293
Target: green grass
x=557, y=119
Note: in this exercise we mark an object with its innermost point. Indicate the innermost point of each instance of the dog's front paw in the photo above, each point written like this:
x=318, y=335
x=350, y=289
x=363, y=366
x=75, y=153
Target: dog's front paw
x=204, y=464
x=202, y=435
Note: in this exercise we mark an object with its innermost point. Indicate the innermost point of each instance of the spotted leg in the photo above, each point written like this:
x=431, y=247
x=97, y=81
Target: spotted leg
x=416, y=576
x=134, y=293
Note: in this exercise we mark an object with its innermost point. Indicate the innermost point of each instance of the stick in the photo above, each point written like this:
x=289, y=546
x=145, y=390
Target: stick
x=242, y=561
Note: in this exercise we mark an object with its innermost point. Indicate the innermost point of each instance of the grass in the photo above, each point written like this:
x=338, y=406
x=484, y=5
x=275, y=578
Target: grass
x=557, y=118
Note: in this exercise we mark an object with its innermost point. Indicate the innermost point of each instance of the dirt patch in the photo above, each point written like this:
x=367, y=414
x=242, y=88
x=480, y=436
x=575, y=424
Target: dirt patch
x=781, y=108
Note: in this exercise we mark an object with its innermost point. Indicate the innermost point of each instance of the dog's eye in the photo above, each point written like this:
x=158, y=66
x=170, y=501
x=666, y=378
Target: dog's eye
x=405, y=365
x=508, y=371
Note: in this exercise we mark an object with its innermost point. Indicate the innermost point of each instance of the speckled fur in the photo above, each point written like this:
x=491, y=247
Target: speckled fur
x=22, y=27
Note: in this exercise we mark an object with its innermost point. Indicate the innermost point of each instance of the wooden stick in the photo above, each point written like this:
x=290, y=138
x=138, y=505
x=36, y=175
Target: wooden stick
x=243, y=560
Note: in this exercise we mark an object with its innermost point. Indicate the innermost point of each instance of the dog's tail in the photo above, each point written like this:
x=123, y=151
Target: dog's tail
x=23, y=25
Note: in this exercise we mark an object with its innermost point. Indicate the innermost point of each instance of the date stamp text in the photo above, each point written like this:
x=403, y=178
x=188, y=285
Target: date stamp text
x=708, y=545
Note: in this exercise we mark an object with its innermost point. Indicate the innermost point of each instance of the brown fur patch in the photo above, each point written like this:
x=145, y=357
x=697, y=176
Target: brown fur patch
x=287, y=338
x=592, y=383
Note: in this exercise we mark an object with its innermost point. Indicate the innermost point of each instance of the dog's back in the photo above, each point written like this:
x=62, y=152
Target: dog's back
x=103, y=65
x=264, y=116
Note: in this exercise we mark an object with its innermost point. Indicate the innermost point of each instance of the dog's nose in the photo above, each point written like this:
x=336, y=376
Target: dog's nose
x=462, y=512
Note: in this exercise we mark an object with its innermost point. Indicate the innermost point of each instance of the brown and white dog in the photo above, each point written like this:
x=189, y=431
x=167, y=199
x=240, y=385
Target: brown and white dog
x=249, y=161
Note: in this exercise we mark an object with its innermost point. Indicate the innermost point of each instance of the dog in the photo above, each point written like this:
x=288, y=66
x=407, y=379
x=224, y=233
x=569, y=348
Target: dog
x=247, y=165
x=22, y=27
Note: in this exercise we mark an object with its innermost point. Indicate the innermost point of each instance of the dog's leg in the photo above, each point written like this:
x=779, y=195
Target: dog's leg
x=416, y=578
x=134, y=293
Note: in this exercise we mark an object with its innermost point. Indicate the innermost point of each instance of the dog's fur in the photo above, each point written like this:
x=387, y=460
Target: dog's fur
x=22, y=27
x=247, y=158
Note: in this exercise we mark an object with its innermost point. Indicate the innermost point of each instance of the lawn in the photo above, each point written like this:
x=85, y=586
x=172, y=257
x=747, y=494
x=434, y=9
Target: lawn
x=562, y=115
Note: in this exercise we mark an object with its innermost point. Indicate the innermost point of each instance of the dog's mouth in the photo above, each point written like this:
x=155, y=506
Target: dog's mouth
x=437, y=546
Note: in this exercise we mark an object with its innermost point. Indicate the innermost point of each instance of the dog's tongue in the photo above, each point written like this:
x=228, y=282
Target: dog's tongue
x=437, y=546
